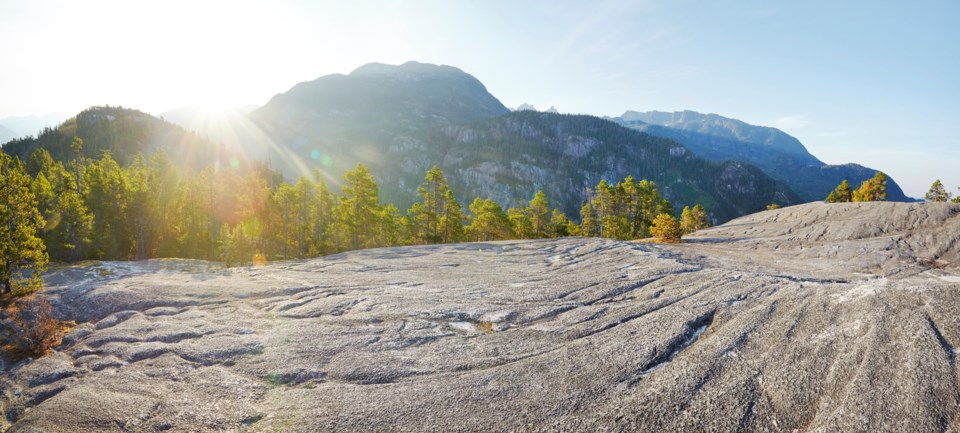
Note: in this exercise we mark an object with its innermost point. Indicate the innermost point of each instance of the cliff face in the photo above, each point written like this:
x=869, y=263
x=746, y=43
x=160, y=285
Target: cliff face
x=818, y=317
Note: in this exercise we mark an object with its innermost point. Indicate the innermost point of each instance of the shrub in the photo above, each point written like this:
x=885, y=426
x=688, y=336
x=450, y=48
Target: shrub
x=666, y=228
x=38, y=331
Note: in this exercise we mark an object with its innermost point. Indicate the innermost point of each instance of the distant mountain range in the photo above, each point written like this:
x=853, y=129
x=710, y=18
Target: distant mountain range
x=400, y=120
x=778, y=154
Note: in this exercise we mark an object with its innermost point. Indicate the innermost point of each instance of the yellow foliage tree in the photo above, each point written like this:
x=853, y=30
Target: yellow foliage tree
x=666, y=228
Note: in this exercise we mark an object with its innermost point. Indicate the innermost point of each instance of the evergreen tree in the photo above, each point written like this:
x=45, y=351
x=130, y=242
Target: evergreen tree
x=390, y=227
x=106, y=197
x=694, y=219
x=521, y=222
x=588, y=221
x=540, y=215
x=561, y=226
x=323, y=217
x=874, y=189
x=69, y=222
x=937, y=192
x=22, y=252
x=451, y=223
x=956, y=199
x=488, y=222
x=666, y=228
x=603, y=204
x=841, y=194
x=433, y=195
x=360, y=208
x=77, y=147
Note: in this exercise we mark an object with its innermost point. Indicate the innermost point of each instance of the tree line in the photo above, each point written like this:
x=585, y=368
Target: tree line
x=240, y=213
x=875, y=189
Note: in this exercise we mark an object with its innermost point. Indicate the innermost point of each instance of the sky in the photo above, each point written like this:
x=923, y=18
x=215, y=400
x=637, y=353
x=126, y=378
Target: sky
x=871, y=82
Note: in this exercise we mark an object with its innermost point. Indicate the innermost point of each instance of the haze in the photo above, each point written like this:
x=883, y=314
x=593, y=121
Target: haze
x=867, y=82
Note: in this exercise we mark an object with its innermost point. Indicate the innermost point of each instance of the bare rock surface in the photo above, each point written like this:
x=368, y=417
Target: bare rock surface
x=810, y=318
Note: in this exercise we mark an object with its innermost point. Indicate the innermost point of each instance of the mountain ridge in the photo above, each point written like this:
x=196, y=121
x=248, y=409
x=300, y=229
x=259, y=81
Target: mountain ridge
x=777, y=153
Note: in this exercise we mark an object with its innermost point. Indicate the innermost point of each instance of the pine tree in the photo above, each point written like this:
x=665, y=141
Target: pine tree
x=488, y=222
x=937, y=192
x=874, y=189
x=540, y=215
x=433, y=195
x=360, y=208
x=521, y=222
x=956, y=199
x=588, y=221
x=841, y=194
x=560, y=225
x=694, y=219
x=451, y=222
x=666, y=228
x=22, y=252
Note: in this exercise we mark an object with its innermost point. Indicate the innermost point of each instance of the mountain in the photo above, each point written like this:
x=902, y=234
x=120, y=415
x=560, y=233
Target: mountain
x=400, y=120
x=335, y=121
x=6, y=134
x=124, y=133
x=778, y=154
x=509, y=157
x=23, y=126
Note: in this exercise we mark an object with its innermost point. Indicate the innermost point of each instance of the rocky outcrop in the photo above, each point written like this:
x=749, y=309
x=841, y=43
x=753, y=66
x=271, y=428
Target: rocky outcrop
x=788, y=320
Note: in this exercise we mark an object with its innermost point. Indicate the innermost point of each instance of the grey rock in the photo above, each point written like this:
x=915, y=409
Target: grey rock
x=799, y=319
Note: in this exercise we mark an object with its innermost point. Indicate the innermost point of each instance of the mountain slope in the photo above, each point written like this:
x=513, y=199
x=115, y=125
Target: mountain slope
x=509, y=157
x=121, y=131
x=778, y=154
x=400, y=120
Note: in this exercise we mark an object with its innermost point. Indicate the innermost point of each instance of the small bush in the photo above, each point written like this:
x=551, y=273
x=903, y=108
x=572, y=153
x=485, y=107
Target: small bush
x=666, y=228
x=38, y=331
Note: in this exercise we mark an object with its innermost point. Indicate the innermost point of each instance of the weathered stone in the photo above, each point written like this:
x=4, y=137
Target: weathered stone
x=810, y=318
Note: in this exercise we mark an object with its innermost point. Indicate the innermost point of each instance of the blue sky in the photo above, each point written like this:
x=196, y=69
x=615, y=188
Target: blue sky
x=869, y=82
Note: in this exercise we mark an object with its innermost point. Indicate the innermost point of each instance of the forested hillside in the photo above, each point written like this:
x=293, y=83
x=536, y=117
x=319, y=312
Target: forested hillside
x=130, y=186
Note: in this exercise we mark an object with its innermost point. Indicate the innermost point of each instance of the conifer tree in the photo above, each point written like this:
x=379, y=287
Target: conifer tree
x=588, y=221
x=694, y=219
x=560, y=225
x=666, y=228
x=22, y=252
x=433, y=194
x=521, y=222
x=841, y=194
x=488, y=221
x=937, y=192
x=540, y=215
x=360, y=208
x=874, y=189
x=451, y=222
